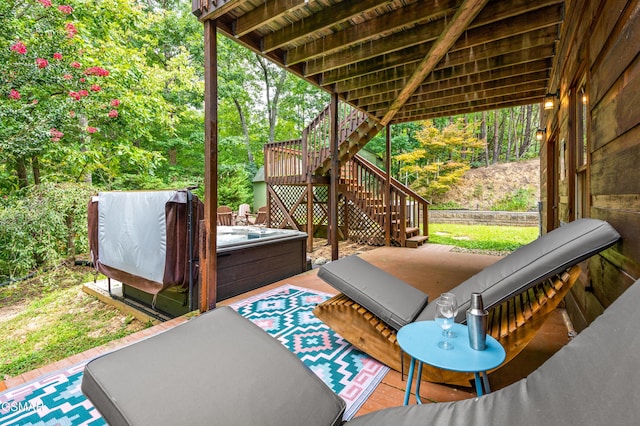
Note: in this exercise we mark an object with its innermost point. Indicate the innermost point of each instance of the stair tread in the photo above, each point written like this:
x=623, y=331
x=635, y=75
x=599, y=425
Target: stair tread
x=418, y=238
x=412, y=230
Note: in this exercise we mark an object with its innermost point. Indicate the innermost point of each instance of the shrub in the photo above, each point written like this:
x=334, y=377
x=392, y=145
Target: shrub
x=41, y=226
x=521, y=200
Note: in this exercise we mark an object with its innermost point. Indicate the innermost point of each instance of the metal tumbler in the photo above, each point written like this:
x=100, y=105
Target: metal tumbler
x=477, y=323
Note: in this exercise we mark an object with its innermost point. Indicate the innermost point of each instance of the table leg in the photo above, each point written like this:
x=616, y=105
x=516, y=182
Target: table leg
x=478, y=384
x=407, y=392
x=482, y=383
x=485, y=380
x=418, y=381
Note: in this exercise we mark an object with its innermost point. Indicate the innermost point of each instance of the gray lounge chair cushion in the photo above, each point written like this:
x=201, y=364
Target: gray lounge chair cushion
x=216, y=369
x=389, y=298
x=591, y=381
x=531, y=264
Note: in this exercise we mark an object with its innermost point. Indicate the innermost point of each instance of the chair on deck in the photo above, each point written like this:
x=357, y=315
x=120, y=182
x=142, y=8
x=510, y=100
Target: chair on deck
x=519, y=291
x=225, y=216
x=256, y=380
x=260, y=218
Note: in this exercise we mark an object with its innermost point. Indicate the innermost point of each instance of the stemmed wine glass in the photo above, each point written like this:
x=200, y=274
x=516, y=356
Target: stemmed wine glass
x=454, y=304
x=444, y=318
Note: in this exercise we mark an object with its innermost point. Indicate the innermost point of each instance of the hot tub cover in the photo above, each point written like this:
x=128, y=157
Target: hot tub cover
x=141, y=237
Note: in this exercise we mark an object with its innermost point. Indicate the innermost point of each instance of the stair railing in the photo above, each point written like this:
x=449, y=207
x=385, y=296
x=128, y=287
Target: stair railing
x=367, y=182
x=291, y=161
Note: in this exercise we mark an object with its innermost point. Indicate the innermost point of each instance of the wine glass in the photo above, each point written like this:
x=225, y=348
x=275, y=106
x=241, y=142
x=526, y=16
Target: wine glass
x=444, y=318
x=454, y=304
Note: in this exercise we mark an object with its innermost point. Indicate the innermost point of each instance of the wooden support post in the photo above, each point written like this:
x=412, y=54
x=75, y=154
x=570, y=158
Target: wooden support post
x=309, y=214
x=387, y=187
x=335, y=175
x=208, y=228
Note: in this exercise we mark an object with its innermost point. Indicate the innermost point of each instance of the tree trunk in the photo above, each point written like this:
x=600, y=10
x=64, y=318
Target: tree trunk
x=526, y=138
x=496, y=137
x=483, y=137
x=87, y=178
x=173, y=156
x=21, y=171
x=245, y=130
x=35, y=166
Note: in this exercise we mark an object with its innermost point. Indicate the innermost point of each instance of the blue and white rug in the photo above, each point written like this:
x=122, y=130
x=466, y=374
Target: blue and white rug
x=285, y=313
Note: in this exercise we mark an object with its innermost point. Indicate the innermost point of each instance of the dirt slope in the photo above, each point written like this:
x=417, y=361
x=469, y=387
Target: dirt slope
x=482, y=187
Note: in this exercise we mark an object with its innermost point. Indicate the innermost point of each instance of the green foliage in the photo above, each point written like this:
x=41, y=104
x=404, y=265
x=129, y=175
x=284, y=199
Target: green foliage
x=442, y=158
x=42, y=227
x=448, y=205
x=482, y=237
x=521, y=200
x=234, y=186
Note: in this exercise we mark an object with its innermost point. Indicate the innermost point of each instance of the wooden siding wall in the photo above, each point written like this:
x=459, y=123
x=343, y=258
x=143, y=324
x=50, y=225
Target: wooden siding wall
x=600, y=41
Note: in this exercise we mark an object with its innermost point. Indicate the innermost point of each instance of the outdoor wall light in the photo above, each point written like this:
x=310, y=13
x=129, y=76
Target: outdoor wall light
x=540, y=134
x=549, y=100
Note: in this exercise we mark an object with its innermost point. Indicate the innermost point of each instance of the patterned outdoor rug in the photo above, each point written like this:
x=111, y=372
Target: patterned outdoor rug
x=286, y=313
x=55, y=398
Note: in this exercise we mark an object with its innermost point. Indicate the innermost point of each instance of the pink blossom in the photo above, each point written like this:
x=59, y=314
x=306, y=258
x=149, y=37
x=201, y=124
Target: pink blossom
x=91, y=129
x=113, y=113
x=42, y=63
x=71, y=30
x=75, y=64
x=45, y=3
x=100, y=72
x=83, y=93
x=56, y=134
x=34, y=102
x=67, y=76
x=95, y=88
x=14, y=94
x=19, y=48
x=72, y=114
x=115, y=102
x=57, y=56
x=74, y=95
x=82, y=79
x=67, y=10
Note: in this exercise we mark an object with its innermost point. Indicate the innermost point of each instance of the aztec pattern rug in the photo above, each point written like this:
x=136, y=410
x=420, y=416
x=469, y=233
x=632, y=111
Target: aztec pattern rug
x=55, y=399
x=286, y=314
x=51, y=400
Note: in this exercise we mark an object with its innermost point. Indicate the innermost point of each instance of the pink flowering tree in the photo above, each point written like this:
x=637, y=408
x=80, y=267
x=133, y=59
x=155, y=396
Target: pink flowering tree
x=54, y=97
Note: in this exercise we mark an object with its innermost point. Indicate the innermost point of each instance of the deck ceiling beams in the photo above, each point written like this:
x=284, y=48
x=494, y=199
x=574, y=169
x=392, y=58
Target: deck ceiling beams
x=404, y=60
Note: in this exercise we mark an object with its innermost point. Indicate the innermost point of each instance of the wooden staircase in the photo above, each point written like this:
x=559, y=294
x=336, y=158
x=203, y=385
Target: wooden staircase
x=362, y=185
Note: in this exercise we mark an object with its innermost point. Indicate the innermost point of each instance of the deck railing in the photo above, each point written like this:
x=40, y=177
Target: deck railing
x=366, y=183
x=292, y=161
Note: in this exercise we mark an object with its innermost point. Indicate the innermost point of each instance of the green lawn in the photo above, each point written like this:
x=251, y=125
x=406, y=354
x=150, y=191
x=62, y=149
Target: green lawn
x=482, y=237
x=49, y=318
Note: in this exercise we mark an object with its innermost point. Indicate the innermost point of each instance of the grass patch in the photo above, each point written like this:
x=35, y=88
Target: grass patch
x=482, y=237
x=50, y=318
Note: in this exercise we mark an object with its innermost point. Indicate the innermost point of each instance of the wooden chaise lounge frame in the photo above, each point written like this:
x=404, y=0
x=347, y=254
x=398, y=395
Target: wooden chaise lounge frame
x=513, y=323
x=520, y=291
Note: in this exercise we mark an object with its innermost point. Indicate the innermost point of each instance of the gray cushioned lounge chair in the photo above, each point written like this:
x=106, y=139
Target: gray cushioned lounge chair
x=217, y=369
x=592, y=381
x=239, y=375
x=520, y=291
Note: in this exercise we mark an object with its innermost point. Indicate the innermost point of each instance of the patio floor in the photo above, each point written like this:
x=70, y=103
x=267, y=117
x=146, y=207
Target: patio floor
x=434, y=269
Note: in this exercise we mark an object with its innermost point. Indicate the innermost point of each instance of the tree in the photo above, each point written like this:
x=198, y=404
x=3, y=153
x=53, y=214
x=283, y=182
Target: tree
x=443, y=157
x=51, y=92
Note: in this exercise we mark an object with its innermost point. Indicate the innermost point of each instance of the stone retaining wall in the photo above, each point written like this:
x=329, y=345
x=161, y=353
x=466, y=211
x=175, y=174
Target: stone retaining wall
x=477, y=217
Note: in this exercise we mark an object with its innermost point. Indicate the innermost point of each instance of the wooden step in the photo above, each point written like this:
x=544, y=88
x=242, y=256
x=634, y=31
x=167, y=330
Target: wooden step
x=416, y=241
x=412, y=232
